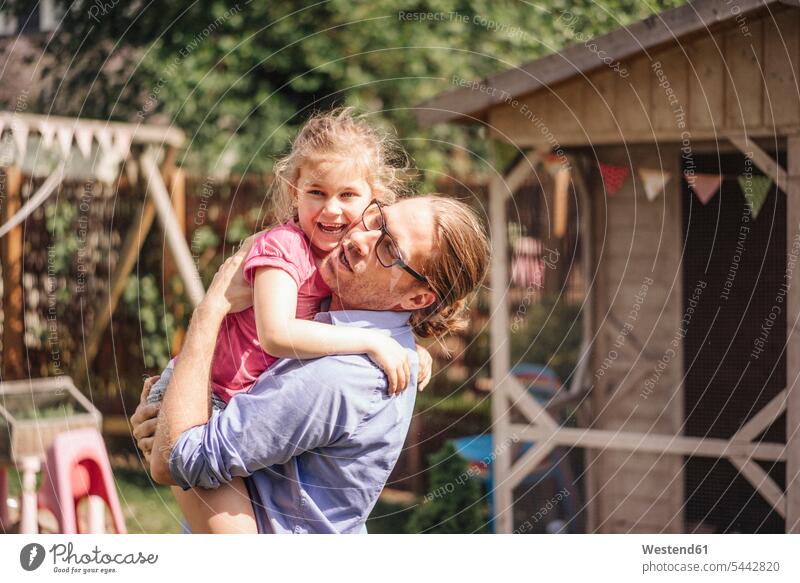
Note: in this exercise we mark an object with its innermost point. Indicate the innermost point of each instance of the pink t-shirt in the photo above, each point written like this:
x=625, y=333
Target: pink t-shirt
x=238, y=357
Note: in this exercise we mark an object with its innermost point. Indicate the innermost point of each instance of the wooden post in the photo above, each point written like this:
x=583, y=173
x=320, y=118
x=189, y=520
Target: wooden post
x=106, y=306
x=500, y=187
x=158, y=193
x=13, y=325
x=501, y=357
x=177, y=191
x=793, y=343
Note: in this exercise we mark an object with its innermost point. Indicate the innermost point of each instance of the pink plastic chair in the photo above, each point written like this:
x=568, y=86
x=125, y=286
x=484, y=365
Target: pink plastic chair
x=77, y=466
x=3, y=500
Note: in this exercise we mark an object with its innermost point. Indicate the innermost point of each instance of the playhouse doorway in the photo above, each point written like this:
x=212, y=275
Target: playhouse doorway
x=734, y=345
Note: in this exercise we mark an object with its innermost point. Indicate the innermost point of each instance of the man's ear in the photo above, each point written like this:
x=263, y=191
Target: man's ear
x=417, y=300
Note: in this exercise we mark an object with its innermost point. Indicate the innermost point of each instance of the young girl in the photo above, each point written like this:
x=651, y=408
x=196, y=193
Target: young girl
x=338, y=164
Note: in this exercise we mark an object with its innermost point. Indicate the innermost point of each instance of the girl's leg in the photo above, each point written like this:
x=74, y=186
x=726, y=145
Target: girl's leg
x=226, y=510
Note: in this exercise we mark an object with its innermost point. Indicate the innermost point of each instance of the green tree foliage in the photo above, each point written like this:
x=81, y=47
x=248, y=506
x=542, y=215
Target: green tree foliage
x=454, y=503
x=240, y=77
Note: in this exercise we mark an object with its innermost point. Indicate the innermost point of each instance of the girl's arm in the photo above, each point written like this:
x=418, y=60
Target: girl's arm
x=282, y=334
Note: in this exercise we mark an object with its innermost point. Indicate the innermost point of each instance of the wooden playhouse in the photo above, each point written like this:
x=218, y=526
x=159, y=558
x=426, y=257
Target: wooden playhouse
x=681, y=136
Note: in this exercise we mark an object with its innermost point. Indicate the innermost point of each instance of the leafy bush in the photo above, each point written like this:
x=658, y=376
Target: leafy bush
x=453, y=504
x=142, y=299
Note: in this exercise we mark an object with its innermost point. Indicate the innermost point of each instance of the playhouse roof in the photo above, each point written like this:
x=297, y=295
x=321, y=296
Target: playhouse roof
x=575, y=60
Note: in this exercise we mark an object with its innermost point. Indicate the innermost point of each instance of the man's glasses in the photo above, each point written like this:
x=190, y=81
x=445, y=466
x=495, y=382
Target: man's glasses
x=386, y=248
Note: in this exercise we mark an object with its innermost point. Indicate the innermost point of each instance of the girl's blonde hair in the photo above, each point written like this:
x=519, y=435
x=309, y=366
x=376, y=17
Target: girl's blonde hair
x=340, y=134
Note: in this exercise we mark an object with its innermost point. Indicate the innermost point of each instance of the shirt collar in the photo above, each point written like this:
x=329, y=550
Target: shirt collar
x=386, y=320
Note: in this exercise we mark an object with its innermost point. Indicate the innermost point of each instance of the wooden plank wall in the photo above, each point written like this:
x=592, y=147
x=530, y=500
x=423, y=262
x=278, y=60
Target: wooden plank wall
x=638, y=244
x=728, y=79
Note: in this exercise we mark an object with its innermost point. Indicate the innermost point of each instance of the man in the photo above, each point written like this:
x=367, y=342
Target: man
x=317, y=439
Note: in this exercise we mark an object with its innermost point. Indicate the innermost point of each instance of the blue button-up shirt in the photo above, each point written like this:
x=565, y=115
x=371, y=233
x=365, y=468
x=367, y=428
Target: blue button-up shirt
x=317, y=438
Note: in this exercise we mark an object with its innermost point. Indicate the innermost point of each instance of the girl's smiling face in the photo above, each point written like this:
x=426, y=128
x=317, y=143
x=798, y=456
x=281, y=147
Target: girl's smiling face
x=331, y=194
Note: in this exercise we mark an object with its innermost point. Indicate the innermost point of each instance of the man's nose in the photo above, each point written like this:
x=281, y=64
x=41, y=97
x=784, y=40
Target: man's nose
x=363, y=241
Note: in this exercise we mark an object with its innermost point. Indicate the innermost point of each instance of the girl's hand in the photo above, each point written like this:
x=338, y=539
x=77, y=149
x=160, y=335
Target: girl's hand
x=393, y=359
x=229, y=292
x=425, y=367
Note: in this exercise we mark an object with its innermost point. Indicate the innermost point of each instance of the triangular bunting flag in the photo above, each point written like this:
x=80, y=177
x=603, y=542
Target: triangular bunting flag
x=613, y=177
x=705, y=186
x=20, y=137
x=552, y=163
x=122, y=143
x=756, y=190
x=64, y=136
x=83, y=137
x=654, y=181
x=48, y=132
x=104, y=139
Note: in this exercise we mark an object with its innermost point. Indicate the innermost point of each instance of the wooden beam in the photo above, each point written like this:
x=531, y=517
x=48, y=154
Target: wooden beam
x=714, y=138
x=793, y=343
x=503, y=498
x=36, y=200
x=500, y=351
x=766, y=163
x=13, y=317
x=522, y=399
x=759, y=422
x=506, y=184
x=651, y=443
x=529, y=461
x=105, y=306
x=177, y=193
x=140, y=133
x=585, y=237
x=175, y=239
x=762, y=482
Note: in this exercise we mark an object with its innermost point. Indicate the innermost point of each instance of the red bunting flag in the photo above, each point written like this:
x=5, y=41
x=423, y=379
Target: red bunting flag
x=553, y=164
x=705, y=186
x=613, y=177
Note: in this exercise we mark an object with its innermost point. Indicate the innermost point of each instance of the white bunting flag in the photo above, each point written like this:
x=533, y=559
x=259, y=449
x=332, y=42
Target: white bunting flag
x=655, y=181
x=20, y=137
x=48, y=132
x=83, y=138
x=104, y=140
x=122, y=143
x=64, y=135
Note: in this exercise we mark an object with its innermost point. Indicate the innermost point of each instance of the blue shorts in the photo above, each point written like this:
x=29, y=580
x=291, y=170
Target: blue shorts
x=158, y=389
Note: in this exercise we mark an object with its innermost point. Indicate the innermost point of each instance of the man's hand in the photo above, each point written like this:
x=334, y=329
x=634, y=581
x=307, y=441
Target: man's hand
x=144, y=421
x=229, y=292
